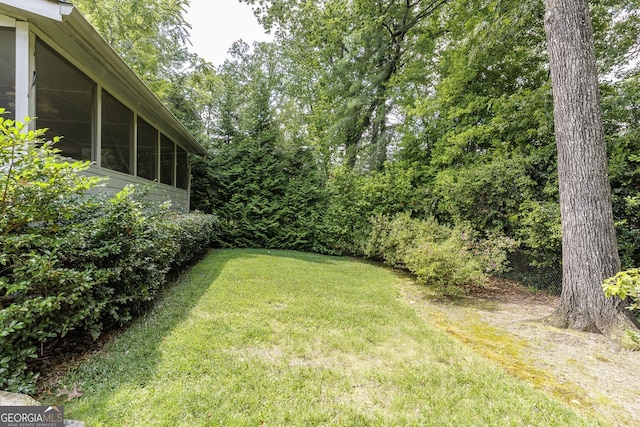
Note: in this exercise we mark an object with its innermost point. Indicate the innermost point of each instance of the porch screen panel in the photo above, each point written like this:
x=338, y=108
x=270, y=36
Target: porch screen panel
x=8, y=71
x=147, y=155
x=117, y=134
x=167, y=160
x=64, y=102
x=182, y=168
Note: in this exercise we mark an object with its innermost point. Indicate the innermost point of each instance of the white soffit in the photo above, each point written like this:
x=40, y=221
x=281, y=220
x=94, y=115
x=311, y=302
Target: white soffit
x=47, y=8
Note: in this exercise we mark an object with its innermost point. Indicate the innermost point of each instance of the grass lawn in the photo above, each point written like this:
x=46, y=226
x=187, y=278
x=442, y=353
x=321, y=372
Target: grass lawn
x=253, y=337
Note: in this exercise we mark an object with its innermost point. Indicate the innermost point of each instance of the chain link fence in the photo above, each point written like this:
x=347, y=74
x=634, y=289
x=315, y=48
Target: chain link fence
x=548, y=278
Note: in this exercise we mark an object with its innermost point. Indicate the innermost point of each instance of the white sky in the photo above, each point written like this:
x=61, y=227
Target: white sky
x=216, y=24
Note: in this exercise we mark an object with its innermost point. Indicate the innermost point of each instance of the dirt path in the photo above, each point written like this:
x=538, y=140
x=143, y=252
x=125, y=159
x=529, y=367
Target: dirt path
x=503, y=323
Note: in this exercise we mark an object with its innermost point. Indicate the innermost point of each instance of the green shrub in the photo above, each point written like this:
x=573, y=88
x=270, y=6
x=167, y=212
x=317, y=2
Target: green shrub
x=264, y=195
x=104, y=271
x=391, y=240
x=70, y=262
x=41, y=295
x=194, y=235
x=486, y=195
x=132, y=248
x=627, y=225
x=541, y=232
x=491, y=250
x=447, y=265
x=450, y=259
x=626, y=286
x=356, y=197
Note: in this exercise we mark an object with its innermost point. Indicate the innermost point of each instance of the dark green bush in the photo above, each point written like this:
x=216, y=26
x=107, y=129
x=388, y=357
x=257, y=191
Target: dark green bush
x=69, y=262
x=41, y=296
x=134, y=247
x=264, y=195
x=357, y=197
x=541, y=233
x=98, y=276
x=194, y=235
x=486, y=195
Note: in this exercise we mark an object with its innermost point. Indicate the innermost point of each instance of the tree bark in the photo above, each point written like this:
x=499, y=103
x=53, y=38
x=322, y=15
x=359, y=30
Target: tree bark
x=589, y=247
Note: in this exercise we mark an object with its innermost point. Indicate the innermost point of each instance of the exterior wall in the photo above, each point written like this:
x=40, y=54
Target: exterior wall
x=159, y=192
x=58, y=27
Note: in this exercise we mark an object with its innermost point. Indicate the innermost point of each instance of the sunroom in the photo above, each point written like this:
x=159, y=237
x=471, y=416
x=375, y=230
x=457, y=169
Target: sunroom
x=56, y=68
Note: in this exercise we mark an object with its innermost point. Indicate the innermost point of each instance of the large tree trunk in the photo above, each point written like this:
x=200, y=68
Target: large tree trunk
x=589, y=247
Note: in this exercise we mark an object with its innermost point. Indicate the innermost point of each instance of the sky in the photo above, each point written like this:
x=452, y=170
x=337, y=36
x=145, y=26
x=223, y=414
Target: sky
x=216, y=24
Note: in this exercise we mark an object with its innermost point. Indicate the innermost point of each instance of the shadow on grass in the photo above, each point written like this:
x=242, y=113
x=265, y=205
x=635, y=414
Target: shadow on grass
x=132, y=357
x=134, y=352
x=435, y=295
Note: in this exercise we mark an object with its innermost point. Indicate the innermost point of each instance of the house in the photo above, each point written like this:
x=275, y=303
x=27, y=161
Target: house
x=55, y=67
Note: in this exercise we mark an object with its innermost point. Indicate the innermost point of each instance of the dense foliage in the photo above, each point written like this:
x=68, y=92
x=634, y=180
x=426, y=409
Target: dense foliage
x=438, y=109
x=265, y=194
x=450, y=259
x=355, y=198
x=626, y=285
x=454, y=96
x=152, y=36
x=69, y=262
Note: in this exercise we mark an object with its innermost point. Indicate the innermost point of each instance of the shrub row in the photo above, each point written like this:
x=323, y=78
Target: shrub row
x=92, y=275
x=452, y=260
x=89, y=277
x=69, y=262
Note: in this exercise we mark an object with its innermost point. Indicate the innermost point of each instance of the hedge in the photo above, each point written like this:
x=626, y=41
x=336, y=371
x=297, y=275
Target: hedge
x=69, y=262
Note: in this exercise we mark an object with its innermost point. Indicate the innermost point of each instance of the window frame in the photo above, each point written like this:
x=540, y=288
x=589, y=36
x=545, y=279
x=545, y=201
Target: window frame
x=33, y=34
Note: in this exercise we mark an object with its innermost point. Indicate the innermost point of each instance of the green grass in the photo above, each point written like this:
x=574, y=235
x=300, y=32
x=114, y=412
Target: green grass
x=250, y=338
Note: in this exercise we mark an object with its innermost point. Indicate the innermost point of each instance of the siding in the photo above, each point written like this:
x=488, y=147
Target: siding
x=159, y=193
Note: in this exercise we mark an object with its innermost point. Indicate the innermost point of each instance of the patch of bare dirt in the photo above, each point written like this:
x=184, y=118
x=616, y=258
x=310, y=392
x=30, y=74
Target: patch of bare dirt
x=504, y=322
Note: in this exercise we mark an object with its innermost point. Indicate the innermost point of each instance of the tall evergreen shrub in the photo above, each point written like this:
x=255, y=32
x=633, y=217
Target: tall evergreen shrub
x=264, y=195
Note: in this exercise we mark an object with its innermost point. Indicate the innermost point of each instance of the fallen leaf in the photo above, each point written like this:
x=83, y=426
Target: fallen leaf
x=70, y=394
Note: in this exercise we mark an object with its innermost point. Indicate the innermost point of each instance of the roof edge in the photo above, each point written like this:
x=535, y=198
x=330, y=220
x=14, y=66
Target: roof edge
x=122, y=71
x=52, y=9
x=71, y=23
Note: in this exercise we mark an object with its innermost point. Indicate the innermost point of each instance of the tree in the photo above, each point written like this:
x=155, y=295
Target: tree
x=152, y=36
x=589, y=248
x=266, y=193
x=356, y=48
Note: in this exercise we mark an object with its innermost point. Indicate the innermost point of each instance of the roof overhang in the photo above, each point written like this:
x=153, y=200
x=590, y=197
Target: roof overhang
x=64, y=24
x=52, y=9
